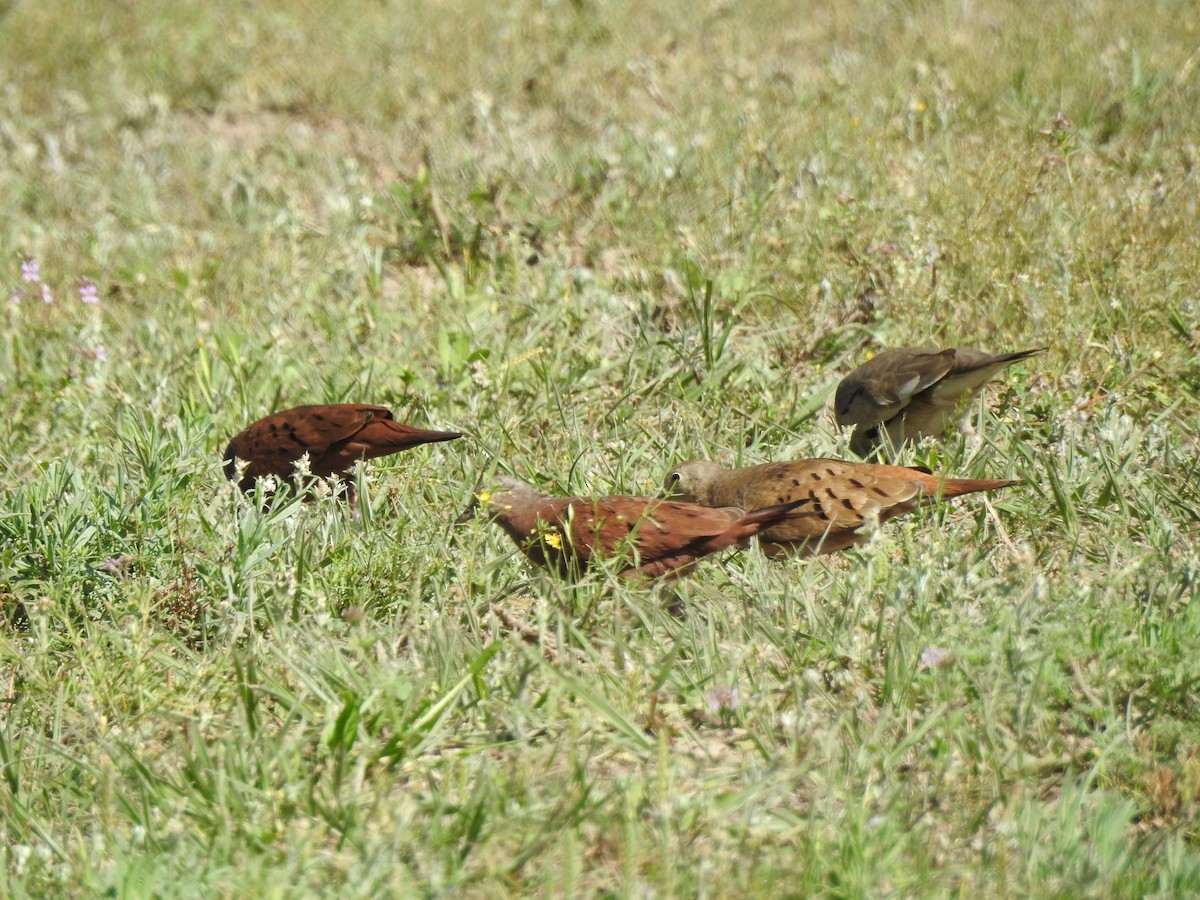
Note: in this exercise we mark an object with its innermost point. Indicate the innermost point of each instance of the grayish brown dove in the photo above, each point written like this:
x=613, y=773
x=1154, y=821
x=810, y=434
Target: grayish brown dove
x=842, y=497
x=911, y=392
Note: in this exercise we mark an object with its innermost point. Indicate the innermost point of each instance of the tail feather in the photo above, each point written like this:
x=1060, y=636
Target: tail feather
x=967, y=361
x=388, y=433
x=1020, y=354
x=954, y=487
x=769, y=515
x=943, y=487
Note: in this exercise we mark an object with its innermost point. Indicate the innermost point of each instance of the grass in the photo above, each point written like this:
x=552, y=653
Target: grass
x=601, y=239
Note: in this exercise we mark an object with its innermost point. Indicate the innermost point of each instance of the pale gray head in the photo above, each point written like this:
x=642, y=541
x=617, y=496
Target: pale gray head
x=695, y=481
x=498, y=494
x=510, y=491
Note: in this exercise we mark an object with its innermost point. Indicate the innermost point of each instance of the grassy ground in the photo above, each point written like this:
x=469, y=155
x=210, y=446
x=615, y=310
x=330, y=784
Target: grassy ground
x=601, y=238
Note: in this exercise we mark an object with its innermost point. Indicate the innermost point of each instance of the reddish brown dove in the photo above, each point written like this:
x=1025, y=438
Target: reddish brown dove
x=335, y=436
x=661, y=537
x=911, y=392
x=842, y=497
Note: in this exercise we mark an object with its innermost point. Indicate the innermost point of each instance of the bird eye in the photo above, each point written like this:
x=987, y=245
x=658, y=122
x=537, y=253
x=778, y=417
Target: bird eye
x=674, y=479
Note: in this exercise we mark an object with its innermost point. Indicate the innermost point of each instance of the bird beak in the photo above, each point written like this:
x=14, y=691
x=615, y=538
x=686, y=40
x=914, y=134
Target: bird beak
x=469, y=513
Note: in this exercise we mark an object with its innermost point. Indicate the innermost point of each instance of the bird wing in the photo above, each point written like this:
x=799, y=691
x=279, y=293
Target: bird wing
x=656, y=528
x=972, y=369
x=316, y=428
x=881, y=387
x=561, y=529
x=273, y=443
x=842, y=496
x=896, y=376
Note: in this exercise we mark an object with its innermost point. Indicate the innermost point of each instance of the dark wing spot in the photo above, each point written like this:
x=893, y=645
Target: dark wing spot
x=795, y=482
x=880, y=491
x=857, y=483
x=848, y=504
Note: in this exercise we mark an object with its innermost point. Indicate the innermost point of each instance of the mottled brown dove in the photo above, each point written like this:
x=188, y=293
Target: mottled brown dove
x=335, y=436
x=842, y=497
x=661, y=537
x=911, y=392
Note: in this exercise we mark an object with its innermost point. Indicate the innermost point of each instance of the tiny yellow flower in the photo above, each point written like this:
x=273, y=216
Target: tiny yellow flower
x=553, y=538
x=484, y=496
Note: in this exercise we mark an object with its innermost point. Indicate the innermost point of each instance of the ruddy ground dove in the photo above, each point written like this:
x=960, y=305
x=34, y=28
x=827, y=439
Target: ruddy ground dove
x=841, y=497
x=335, y=436
x=661, y=537
x=911, y=392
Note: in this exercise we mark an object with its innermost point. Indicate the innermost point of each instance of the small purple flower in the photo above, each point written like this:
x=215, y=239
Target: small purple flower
x=936, y=657
x=47, y=297
x=30, y=271
x=87, y=291
x=722, y=699
x=118, y=565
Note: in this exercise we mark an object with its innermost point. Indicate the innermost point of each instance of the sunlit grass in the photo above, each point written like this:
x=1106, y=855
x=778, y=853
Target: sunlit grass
x=599, y=239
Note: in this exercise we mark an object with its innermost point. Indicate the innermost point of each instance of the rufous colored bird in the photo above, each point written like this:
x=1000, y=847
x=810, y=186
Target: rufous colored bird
x=661, y=537
x=911, y=392
x=335, y=436
x=841, y=497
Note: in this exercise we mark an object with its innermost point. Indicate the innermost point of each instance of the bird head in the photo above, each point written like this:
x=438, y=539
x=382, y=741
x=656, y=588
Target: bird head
x=848, y=396
x=694, y=482
x=498, y=495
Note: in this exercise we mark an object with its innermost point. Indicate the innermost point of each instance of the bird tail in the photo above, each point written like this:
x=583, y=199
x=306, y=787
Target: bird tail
x=1009, y=358
x=954, y=487
x=398, y=436
x=769, y=515
x=939, y=488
